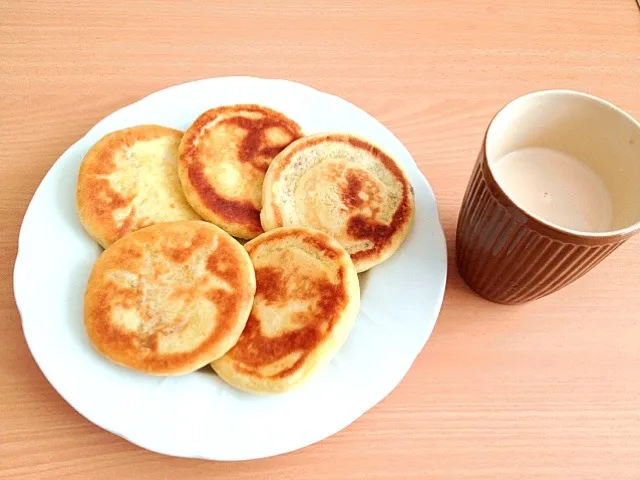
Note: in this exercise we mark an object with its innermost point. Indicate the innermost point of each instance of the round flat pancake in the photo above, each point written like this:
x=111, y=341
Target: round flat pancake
x=129, y=180
x=343, y=186
x=307, y=300
x=223, y=158
x=169, y=298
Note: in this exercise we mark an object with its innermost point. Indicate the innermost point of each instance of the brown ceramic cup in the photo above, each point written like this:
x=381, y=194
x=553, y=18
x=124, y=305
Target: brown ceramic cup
x=509, y=255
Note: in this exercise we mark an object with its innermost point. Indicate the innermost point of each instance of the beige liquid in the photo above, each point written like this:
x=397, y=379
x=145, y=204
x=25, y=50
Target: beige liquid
x=556, y=188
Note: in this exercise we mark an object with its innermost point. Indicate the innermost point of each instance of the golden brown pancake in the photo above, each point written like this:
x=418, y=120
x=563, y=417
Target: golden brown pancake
x=129, y=180
x=169, y=298
x=223, y=158
x=307, y=299
x=343, y=186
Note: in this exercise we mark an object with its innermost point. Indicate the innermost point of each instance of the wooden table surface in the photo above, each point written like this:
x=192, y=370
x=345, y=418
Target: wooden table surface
x=546, y=390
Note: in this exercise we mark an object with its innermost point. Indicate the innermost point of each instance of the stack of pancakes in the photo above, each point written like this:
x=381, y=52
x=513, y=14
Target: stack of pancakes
x=175, y=288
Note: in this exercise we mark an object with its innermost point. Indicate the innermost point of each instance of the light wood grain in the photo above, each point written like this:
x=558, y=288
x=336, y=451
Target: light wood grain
x=546, y=390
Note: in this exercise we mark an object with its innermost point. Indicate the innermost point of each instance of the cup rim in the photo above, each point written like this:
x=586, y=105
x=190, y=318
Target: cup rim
x=621, y=232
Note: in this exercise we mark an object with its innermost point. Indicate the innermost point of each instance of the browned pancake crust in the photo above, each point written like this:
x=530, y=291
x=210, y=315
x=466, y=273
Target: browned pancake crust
x=274, y=288
x=306, y=303
x=359, y=226
x=238, y=216
x=151, y=259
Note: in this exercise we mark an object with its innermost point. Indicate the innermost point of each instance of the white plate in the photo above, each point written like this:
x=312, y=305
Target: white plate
x=198, y=415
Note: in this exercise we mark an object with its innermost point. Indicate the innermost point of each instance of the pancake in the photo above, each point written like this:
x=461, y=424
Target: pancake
x=223, y=158
x=307, y=299
x=343, y=186
x=129, y=180
x=169, y=298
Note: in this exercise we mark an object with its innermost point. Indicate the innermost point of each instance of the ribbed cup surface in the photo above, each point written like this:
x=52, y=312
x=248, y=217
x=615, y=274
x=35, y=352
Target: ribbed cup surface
x=508, y=257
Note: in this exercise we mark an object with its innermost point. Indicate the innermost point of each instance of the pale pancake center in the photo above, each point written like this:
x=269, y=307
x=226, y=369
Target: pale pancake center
x=233, y=179
x=172, y=305
x=147, y=174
